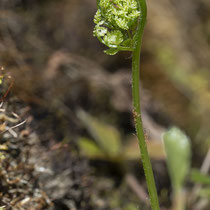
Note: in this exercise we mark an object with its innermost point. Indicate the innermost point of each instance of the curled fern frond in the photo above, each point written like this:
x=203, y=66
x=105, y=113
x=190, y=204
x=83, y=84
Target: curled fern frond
x=116, y=21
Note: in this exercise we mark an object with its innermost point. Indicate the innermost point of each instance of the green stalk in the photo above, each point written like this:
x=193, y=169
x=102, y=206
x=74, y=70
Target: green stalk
x=137, y=113
x=179, y=200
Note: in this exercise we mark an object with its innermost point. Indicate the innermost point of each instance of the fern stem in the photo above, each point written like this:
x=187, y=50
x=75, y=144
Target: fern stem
x=137, y=113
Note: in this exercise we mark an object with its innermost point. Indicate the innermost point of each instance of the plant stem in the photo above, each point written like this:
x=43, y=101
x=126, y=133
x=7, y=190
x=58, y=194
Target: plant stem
x=136, y=112
x=179, y=200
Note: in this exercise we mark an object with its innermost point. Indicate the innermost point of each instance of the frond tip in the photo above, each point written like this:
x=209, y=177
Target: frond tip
x=116, y=22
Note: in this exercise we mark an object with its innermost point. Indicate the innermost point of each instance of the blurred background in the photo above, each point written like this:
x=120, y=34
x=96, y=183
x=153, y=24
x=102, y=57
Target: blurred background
x=85, y=154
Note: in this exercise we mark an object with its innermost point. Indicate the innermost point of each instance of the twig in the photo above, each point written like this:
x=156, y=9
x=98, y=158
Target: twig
x=11, y=131
x=15, y=126
x=136, y=187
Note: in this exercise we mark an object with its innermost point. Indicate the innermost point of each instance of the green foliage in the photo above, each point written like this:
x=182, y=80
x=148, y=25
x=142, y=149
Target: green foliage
x=198, y=177
x=113, y=38
x=106, y=136
x=204, y=192
x=107, y=143
x=90, y=149
x=115, y=21
x=111, y=51
x=202, y=179
x=178, y=150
